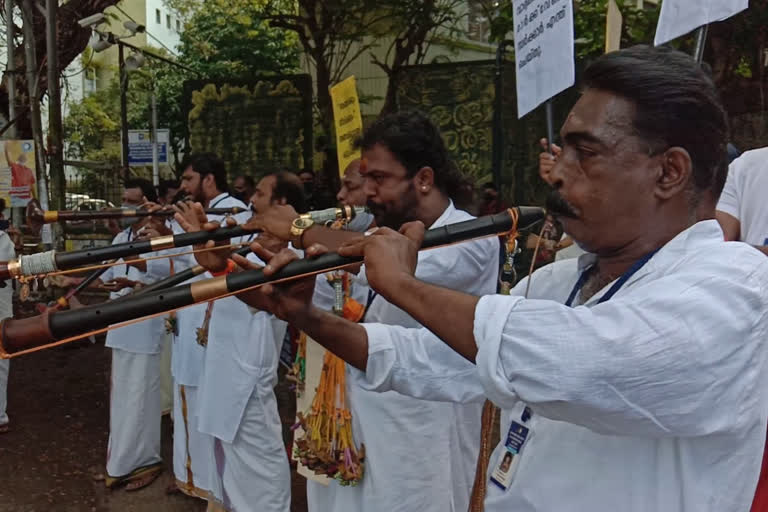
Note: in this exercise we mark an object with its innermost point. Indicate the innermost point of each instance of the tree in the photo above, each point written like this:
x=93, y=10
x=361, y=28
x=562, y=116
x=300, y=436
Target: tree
x=92, y=126
x=415, y=27
x=221, y=39
x=217, y=43
x=72, y=39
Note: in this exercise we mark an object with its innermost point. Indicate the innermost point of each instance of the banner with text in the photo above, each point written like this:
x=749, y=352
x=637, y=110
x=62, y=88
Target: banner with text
x=17, y=172
x=347, y=120
x=543, y=51
x=678, y=17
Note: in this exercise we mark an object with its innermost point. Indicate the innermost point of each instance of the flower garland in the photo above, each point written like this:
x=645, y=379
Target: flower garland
x=328, y=447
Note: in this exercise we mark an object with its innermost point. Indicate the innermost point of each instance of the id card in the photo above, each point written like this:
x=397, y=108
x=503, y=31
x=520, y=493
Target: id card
x=504, y=470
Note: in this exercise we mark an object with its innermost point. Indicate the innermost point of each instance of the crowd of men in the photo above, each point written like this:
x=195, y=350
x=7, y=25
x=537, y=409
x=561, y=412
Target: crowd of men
x=632, y=377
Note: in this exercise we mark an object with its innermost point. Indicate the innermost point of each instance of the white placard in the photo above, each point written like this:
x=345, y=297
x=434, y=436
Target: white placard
x=678, y=17
x=543, y=51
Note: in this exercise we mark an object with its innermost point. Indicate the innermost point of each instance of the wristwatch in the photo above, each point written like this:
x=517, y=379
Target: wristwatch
x=299, y=225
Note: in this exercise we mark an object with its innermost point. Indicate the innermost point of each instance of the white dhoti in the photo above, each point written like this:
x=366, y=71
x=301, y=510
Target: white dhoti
x=4, y=367
x=166, y=379
x=135, y=412
x=252, y=473
x=192, y=450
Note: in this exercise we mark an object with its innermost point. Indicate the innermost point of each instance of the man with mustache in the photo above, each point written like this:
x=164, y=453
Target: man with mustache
x=633, y=379
x=420, y=455
x=237, y=403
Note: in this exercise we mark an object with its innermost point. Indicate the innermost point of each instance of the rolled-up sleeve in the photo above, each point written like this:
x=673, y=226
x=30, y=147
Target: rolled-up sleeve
x=415, y=363
x=655, y=362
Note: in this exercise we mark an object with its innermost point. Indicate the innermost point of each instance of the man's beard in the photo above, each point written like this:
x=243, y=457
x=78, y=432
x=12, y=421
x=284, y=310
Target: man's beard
x=398, y=214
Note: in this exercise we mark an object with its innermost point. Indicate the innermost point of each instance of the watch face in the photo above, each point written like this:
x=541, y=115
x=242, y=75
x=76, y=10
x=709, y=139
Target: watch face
x=303, y=223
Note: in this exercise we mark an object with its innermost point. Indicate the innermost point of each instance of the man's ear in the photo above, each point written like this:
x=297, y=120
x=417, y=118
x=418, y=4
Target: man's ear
x=675, y=172
x=425, y=179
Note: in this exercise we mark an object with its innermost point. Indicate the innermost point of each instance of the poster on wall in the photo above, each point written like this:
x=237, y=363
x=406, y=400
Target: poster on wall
x=17, y=172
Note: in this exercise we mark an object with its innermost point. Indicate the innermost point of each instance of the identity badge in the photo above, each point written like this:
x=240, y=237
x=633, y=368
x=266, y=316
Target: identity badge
x=504, y=470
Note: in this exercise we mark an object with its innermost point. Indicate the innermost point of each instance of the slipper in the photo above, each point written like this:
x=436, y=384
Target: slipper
x=143, y=481
x=140, y=477
x=5, y=428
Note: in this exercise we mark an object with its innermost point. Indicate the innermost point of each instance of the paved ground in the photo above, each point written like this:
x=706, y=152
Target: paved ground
x=58, y=405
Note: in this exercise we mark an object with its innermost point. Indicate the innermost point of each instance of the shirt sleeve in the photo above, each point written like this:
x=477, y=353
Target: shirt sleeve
x=415, y=363
x=679, y=356
x=730, y=199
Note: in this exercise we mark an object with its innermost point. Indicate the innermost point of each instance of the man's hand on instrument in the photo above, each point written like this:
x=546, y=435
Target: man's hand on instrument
x=191, y=217
x=389, y=256
x=276, y=220
x=290, y=301
x=154, y=228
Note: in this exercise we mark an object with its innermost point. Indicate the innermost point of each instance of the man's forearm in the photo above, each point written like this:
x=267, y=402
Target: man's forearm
x=345, y=339
x=449, y=314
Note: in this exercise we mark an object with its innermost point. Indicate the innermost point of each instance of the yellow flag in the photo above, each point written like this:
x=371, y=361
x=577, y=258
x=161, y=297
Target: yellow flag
x=347, y=120
x=613, y=22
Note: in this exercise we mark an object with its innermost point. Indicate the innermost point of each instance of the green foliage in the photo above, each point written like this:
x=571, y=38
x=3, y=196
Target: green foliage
x=221, y=39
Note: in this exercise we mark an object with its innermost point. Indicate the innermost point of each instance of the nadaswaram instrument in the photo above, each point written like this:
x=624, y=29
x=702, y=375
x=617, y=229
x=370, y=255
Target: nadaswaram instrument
x=36, y=217
x=18, y=336
x=52, y=261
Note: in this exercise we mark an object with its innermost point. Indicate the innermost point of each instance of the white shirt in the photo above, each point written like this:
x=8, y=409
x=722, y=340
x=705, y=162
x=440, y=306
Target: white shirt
x=744, y=195
x=143, y=337
x=7, y=253
x=188, y=355
x=420, y=455
x=652, y=401
x=242, y=355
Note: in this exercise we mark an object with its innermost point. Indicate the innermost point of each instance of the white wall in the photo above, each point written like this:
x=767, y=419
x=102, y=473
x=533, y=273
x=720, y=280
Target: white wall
x=167, y=30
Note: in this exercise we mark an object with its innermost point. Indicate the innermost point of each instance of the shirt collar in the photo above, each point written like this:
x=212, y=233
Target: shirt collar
x=691, y=239
x=218, y=198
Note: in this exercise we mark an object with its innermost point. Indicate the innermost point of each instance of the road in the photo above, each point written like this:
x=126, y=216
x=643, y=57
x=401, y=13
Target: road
x=58, y=403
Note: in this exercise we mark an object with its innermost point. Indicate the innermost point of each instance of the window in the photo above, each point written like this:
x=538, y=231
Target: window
x=478, y=25
x=178, y=25
x=168, y=20
x=158, y=19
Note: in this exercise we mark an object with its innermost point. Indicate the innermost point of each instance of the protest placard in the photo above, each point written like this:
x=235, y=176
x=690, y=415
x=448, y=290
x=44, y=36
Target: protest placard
x=678, y=17
x=347, y=120
x=543, y=50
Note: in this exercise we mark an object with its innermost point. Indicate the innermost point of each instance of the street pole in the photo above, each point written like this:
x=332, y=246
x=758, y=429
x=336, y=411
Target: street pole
x=55, y=146
x=701, y=43
x=497, y=156
x=155, y=151
x=123, y=108
x=30, y=60
x=17, y=214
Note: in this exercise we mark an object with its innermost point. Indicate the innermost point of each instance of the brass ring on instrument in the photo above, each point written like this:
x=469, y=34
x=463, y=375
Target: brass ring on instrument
x=162, y=242
x=14, y=268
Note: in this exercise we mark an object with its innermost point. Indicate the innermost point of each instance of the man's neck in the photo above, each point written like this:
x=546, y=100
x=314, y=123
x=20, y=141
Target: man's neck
x=208, y=200
x=432, y=208
x=613, y=264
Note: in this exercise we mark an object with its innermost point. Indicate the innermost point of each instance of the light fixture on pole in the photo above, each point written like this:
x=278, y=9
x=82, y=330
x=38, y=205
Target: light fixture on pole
x=135, y=61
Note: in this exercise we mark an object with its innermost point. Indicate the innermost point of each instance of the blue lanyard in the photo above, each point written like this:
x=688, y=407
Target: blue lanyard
x=616, y=286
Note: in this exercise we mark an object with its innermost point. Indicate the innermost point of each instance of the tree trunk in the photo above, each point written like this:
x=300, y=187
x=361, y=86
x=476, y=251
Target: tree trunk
x=72, y=41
